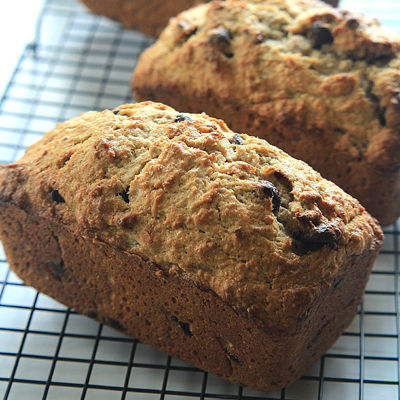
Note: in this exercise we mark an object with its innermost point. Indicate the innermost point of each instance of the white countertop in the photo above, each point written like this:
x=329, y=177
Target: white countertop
x=17, y=29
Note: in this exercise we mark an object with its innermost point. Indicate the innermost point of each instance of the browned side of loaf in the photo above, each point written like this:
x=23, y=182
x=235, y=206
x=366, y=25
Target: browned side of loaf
x=171, y=314
x=149, y=17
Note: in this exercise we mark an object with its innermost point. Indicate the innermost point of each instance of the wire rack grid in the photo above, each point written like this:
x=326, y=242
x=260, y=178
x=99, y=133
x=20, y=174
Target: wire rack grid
x=79, y=62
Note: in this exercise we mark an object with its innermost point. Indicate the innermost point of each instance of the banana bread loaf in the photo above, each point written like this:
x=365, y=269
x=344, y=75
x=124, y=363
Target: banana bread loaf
x=214, y=247
x=320, y=83
x=149, y=17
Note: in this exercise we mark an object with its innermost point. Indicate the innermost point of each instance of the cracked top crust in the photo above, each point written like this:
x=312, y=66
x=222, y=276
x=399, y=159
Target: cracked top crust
x=229, y=211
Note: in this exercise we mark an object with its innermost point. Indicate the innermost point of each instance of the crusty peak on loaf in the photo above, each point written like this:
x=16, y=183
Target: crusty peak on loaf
x=262, y=21
x=229, y=211
x=335, y=70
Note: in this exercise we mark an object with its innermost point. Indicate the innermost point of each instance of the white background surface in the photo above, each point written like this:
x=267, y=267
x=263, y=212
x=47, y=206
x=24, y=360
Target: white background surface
x=17, y=28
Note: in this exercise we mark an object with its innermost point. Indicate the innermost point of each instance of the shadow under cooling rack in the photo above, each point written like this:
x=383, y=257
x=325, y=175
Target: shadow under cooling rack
x=81, y=62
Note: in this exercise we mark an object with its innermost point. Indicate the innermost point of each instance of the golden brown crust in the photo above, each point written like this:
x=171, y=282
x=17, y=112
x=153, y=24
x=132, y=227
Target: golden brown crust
x=322, y=84
x=181, y=202
x=149, y=17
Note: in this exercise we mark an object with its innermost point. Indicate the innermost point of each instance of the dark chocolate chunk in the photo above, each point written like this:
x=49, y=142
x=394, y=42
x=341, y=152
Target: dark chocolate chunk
x=237, y=139
x=380, y=61
x=116, y=112
x=58, y=269
x=183, y=325
x=315, y=234
x=324, y=233
x=182, y=117
x=186, y=328
x=55, y=196
x=382, y=116
x=221, y=38
x=115, y=324
x=339, y=132
x=301, y=248
x=338, y=284
x=174, y=318
x=352, y=23
x=317, y=335
x=320, y=34
x=267, y=189
x=124, y=195
x=233, y=357
x=239, y=233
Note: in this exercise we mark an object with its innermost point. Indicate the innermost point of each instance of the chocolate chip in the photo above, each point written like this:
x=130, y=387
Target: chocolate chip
x=259, y=38
x=182, y=117
x=58, y=269
x=55, y=196
x=382, y=116
x=124, y=195
x=315, y=234
x=301, y=249
x=115, y=324
x=237, y=139
x=174, y=318
x=380, y=61
x=317, y=335
x=339, y=132
x=313, y=237
x=239, y=233
x=338, y=284
x=116, y=112
x=233, y=357
x=221, y=38
x=324, y=233
x=352, y=23
x=186, y=328
x=183, y=325
x=267, y=189
x=320, y=34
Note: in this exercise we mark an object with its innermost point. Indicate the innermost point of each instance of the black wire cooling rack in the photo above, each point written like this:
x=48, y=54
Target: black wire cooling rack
x=80, y=62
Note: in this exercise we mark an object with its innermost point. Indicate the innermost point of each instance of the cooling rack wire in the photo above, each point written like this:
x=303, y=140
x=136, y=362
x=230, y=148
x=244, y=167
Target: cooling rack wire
x=79, y=62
